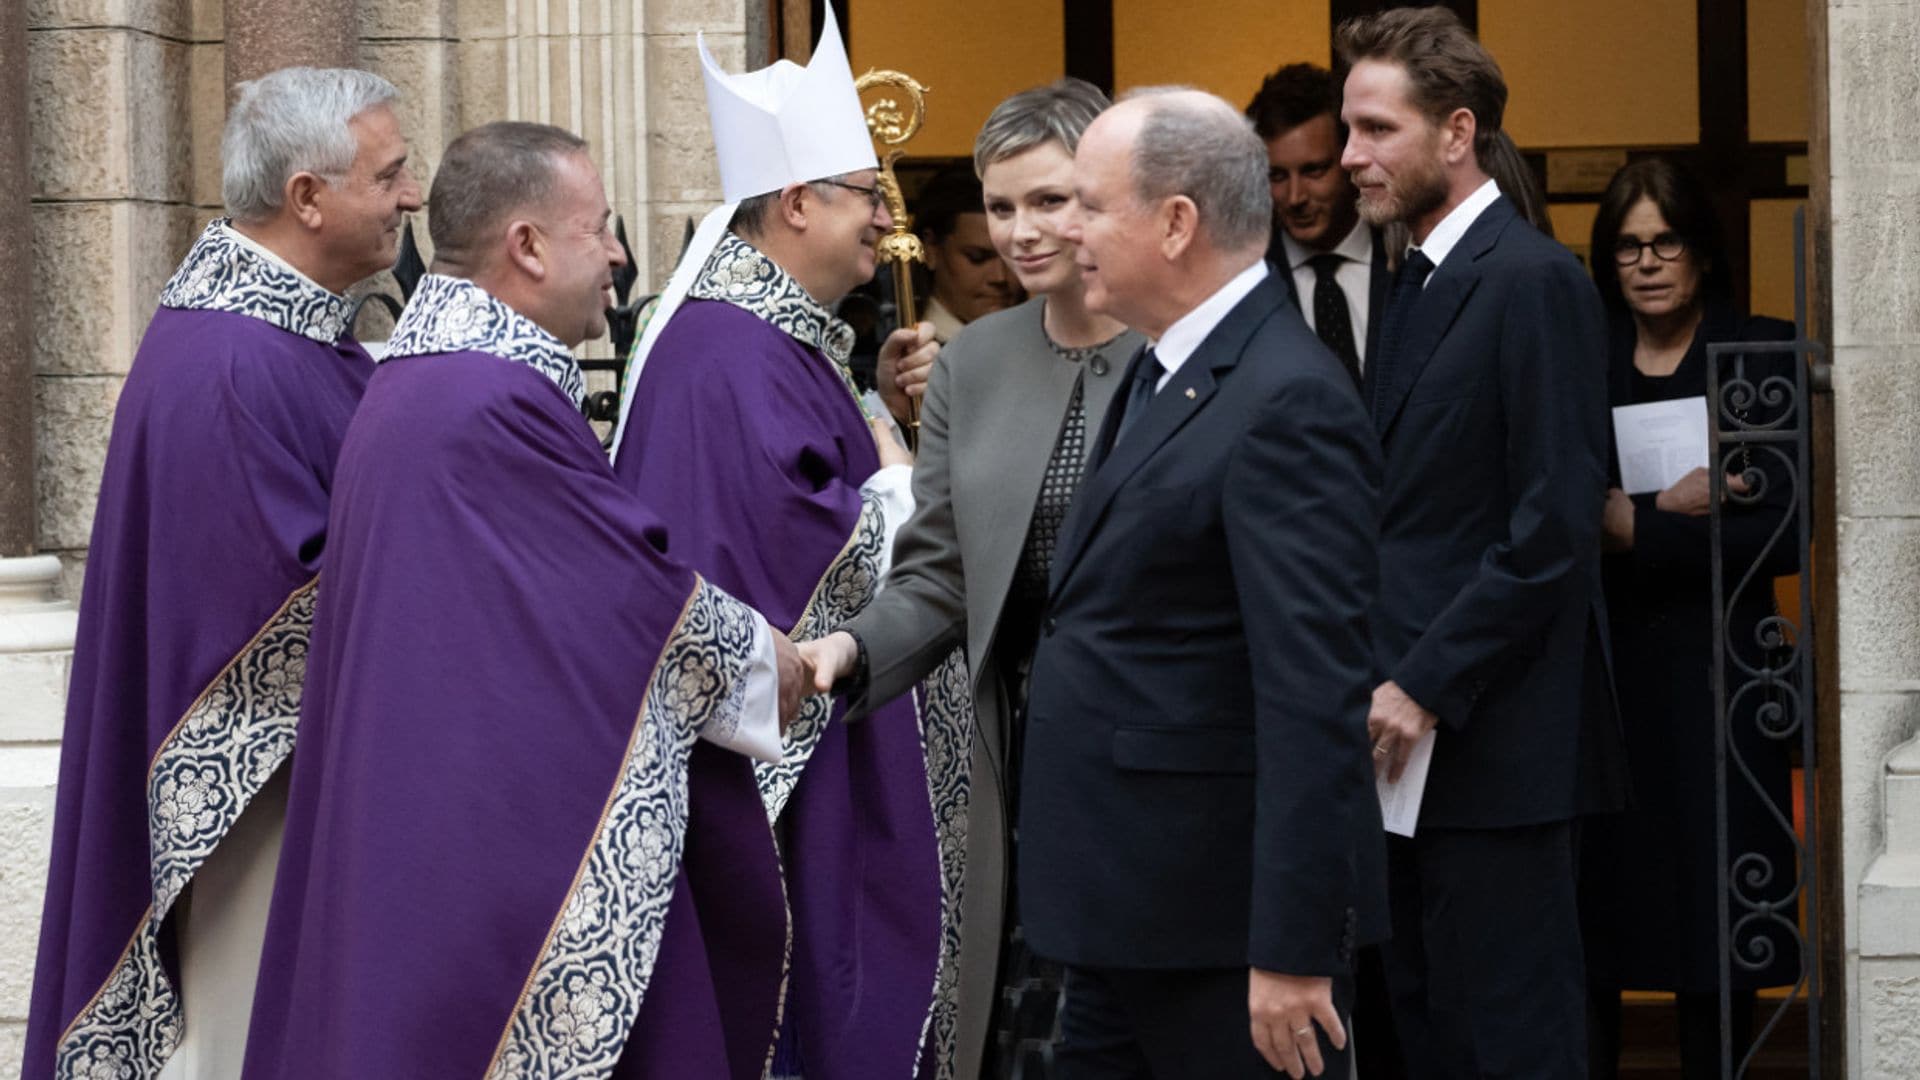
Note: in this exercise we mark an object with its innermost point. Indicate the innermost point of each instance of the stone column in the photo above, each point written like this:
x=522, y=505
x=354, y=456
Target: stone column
x=263, y=35
x=1871, y=185
x=36, y=628
x=17, y=515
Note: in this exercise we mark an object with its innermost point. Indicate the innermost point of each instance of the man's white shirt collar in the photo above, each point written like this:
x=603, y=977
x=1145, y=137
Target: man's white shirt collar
x=1188, y=331
x=1357, y=247
x=1446, y=235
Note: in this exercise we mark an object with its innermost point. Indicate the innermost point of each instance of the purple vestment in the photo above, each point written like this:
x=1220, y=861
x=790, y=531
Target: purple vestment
x=481, y=869
x=742, y=434
x=193, y=633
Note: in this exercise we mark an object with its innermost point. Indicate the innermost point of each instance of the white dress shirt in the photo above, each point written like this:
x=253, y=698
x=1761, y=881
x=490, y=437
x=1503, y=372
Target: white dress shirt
x=1189, y=330
x=1354, y=276
x=1446, y=235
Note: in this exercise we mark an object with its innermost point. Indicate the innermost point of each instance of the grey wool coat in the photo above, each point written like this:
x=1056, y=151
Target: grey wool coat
x=988, y=424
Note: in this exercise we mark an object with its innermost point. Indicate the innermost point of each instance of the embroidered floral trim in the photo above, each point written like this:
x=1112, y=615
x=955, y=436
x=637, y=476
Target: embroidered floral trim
x=222, y=752
x=581, y=999
x=944, y=704
x=842, y=592
x=223, y=273
x=449, y=314
x=739, y=274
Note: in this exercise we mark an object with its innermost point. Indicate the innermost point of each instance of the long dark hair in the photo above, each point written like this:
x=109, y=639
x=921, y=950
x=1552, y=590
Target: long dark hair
x=1683, y=201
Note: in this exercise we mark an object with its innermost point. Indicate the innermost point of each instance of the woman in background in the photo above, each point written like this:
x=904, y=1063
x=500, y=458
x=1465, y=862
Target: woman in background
x=1650, y=876
x=969, y=277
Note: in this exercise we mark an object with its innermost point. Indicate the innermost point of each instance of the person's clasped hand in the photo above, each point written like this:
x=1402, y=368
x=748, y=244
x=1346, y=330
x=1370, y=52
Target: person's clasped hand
x=796, y=677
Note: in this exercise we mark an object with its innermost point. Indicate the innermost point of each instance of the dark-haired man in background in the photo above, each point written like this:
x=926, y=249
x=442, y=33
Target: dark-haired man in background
x=1330, y=258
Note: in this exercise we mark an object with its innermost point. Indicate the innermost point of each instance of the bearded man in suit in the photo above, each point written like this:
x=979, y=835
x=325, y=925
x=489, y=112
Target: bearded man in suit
x=1489, y=397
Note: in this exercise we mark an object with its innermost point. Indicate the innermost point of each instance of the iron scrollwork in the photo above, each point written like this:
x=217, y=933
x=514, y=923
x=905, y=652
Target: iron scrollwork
x=408, y=269
x=1760, y=431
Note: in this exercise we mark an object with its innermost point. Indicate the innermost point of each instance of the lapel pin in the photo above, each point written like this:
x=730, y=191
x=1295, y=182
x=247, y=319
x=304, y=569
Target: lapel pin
x=1190, y=394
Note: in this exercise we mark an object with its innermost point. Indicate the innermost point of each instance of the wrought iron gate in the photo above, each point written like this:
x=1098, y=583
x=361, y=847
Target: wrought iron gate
x=1760, y=425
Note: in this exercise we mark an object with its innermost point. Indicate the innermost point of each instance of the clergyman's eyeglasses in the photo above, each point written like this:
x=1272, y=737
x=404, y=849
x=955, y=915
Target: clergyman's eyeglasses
x=872, y=193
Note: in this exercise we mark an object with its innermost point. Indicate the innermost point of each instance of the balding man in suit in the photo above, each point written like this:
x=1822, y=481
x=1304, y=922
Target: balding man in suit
x=1200, y=841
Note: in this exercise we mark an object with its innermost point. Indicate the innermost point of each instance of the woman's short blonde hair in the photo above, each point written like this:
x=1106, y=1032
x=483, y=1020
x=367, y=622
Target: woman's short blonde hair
x=1057, y=112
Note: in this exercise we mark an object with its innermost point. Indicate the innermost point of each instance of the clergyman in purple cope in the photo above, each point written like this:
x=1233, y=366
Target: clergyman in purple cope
x=741, y=425
x=493, y=820
x=210, y=530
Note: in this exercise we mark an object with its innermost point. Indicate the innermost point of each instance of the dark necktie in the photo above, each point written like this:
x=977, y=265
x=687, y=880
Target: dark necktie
x=1146, y=376
x=1407, y=284
x=1332, y=319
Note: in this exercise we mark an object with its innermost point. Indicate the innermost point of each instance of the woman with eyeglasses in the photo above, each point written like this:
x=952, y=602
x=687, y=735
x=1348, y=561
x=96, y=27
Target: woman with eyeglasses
x=1650, y=876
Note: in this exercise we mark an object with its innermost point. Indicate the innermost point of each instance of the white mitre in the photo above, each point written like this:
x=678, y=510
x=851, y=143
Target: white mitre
x=787, y=124
x=784, y=124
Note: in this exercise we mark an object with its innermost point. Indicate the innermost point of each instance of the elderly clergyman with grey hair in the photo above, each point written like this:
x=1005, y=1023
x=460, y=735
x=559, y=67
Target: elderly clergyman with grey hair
x=1200, y=839
x=207, y=541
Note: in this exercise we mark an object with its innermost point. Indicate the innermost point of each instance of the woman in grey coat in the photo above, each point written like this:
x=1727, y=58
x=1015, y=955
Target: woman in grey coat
x=1008, y=412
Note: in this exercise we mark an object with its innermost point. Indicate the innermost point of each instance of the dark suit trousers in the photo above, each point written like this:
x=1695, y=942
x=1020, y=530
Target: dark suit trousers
x=1484, y=967
x=1133, y=1024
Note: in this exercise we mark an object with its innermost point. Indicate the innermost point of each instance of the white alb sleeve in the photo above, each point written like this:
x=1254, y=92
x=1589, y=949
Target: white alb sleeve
x=753, y=728
x=893, y=486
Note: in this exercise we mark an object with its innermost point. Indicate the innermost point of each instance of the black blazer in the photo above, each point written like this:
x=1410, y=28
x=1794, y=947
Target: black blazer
x=1493, y=421
x=1197, y=788
x=1379, y=286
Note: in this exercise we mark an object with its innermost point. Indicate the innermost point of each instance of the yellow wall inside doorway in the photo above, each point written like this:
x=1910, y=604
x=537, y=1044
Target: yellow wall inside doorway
x=970, y=55
x=1225, y=46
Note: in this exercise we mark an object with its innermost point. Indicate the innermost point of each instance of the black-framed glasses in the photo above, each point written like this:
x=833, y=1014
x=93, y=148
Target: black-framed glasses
x=872, y=193
x=1666, y=247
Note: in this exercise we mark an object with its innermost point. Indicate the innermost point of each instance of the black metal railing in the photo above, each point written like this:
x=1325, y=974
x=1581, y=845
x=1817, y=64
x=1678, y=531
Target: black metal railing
x=408, y=269
x=1760, y=430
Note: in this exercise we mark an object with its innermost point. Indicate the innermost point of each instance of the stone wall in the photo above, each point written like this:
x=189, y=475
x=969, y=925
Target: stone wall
x=1872, y=179
x=126, y=99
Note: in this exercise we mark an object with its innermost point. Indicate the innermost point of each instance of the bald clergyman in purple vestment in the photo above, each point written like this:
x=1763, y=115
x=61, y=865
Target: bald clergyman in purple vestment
x=493, y=799
x=200, y=583
x=742, y=428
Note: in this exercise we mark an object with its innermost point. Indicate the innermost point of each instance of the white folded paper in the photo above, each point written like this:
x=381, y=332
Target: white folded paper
x=1660, y=442
x=1400, y=802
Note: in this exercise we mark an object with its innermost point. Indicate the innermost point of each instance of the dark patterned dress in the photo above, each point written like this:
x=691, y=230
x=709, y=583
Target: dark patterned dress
x=1026, y=1024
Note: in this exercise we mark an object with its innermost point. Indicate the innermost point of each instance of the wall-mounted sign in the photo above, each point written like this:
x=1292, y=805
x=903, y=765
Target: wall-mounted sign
x=1582, y=172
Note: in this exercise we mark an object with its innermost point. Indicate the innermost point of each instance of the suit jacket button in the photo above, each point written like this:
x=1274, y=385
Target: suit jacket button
x=1047, y=627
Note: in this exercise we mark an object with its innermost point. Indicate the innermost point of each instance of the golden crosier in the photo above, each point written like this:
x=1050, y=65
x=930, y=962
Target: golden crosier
x=891, y=128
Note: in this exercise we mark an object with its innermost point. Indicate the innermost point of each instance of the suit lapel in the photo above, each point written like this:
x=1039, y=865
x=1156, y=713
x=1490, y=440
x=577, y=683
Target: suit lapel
x=1439, y=304
x=1179, y=401
x=1379, y=288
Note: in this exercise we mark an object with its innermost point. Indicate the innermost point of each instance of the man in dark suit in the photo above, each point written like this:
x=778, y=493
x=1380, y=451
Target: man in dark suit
x=1489, y=397
x=1199, y=837
x=1330, y=258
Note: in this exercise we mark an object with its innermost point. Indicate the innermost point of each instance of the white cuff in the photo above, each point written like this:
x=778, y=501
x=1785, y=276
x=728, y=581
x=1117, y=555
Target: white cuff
x=893, y=485
x=750, y=723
